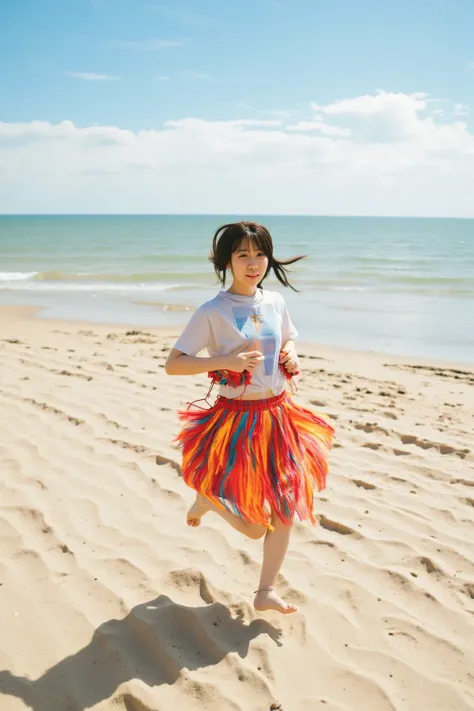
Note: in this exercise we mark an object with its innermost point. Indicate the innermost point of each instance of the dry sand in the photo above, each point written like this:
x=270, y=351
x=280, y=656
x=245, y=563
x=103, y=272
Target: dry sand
x=108, y=600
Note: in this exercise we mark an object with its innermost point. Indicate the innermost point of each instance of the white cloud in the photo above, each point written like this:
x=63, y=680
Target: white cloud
x=162, y=77
x=461, y=110
x=370, y=104
x=380, y=154
x=320, y=126
x=379, y=117
x=92, y=76
x=100, y=171
x=146, y=45
x=64, y=133
x=192, y=122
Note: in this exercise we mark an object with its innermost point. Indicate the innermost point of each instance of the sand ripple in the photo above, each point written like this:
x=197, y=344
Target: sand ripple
x=108, y=601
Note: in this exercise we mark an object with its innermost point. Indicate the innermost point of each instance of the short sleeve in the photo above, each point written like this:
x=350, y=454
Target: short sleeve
x=288, y=330
x=196, y=335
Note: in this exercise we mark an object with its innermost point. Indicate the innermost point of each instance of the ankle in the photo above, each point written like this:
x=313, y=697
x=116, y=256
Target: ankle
x=262, y=589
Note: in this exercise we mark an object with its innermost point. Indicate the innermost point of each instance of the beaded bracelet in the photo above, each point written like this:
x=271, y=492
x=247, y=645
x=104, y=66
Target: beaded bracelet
x=234, y=379
x=231, y=378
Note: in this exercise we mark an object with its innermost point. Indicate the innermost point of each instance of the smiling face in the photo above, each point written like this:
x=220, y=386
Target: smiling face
x=249, y=265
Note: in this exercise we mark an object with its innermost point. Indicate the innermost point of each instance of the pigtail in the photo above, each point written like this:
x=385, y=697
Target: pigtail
x=280, y=270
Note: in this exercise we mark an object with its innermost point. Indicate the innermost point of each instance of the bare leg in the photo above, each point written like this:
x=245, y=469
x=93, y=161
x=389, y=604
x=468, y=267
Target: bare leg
x=202, y=505
x=274, y=550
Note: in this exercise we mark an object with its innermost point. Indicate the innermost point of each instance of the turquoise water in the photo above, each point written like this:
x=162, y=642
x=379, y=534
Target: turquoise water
x=389, y=284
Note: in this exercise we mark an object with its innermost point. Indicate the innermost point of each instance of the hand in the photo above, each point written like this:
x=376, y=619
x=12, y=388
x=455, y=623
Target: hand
x=289, y=358
x=242, y=358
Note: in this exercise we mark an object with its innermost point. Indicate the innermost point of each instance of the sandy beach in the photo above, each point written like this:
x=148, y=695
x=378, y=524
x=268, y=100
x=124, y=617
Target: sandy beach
x=109, y=601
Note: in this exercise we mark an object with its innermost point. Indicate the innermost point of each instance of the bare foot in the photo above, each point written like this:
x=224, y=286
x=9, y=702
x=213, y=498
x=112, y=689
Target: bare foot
x=268, y=600
x=198, y=509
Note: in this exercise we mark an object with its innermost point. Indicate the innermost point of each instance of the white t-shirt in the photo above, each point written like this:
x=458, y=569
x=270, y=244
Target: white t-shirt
x=231, y=320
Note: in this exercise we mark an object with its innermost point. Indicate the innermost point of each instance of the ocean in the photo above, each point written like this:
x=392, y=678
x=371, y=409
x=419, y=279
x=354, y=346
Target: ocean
x=396, y=285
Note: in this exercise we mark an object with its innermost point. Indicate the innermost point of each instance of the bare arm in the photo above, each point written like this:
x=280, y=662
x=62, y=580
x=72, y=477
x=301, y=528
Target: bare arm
x=240, y=359
x=179, y=363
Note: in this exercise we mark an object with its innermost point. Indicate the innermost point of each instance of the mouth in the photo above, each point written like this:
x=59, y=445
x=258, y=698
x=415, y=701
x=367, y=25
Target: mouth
x=253, y=276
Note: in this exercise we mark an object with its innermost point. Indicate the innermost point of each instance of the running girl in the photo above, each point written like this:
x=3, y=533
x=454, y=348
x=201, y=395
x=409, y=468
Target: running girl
x=254, y=457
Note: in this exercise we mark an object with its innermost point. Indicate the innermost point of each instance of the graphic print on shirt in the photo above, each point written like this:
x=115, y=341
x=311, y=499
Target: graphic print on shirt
x=260, y=323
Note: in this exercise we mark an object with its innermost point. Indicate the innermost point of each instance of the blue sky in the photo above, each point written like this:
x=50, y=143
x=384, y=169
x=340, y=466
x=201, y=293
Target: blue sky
x=262, y=54
x=134, y=66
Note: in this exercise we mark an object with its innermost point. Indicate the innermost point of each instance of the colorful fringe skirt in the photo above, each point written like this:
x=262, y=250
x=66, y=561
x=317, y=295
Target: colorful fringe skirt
x=257, y=456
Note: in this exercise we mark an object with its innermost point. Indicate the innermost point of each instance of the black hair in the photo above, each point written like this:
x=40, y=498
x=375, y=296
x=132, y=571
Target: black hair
x=229, y=237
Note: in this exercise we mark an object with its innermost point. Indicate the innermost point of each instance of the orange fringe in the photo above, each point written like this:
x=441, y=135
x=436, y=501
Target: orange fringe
x=254, y=456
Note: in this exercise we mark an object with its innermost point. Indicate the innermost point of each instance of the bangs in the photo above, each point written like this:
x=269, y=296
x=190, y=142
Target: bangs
x=256, y=240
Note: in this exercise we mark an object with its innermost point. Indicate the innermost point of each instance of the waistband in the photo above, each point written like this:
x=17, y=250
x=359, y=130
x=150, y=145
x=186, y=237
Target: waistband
x=250, y=405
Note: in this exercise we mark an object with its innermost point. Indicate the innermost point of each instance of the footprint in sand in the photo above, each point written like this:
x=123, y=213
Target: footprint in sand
x=161, y=461
x=335, y=526
x=364, y=484
x=428, y=444
x=429, y=566
x=466, y=482
x=370, y=427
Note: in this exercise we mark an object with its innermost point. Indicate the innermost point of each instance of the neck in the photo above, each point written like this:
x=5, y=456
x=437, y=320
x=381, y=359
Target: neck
x=242, y=289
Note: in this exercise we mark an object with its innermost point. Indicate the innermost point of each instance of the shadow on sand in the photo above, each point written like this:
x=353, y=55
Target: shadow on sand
x=153, y=643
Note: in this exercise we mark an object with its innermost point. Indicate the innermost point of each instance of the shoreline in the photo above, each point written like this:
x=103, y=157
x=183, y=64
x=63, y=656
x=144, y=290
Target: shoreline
x=12, y=313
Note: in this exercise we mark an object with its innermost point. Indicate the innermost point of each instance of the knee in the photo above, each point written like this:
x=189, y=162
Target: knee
x=256, y=531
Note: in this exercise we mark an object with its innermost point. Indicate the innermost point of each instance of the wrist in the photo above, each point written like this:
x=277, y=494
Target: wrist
x=218, y=363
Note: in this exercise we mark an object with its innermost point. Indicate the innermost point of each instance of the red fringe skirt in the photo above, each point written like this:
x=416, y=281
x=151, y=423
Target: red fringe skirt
x=255, y=456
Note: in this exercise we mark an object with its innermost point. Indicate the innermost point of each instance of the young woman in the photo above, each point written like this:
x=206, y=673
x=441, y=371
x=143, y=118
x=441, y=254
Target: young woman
x=255, y=457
